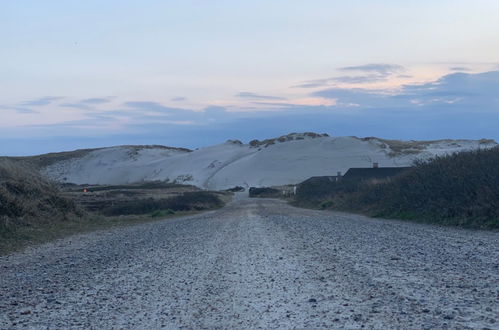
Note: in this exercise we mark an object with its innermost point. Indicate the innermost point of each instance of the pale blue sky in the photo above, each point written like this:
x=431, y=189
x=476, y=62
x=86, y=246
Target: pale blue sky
x=189, y=73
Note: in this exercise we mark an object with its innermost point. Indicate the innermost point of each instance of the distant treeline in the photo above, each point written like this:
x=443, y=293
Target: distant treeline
x=459, y=189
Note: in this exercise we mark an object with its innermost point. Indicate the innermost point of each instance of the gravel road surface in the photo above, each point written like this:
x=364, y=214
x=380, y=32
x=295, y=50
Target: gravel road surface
x=257, y=264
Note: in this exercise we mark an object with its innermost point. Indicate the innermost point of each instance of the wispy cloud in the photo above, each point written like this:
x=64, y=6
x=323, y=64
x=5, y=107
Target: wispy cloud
x=87, y=104
x=381, y=69
x=96, y=100
x=368, y=73
x=81, y=106
x=21, y=110
x=359, y=79
x=41, y=101
x=149, y=106
x=254, y=96
x=460, y=68
x=178, y=99
x=313, y=83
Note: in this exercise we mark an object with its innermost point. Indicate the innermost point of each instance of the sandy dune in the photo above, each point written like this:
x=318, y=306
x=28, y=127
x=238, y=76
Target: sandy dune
x=288, y=160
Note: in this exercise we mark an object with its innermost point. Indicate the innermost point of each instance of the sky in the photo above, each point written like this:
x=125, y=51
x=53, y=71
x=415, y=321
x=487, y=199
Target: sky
x=187, y=73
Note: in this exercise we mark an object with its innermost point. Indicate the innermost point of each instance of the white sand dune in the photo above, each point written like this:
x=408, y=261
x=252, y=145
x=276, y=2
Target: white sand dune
x=286, y=160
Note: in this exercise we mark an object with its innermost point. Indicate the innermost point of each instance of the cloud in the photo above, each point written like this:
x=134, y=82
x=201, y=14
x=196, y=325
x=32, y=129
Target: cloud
x=348, y=97
x=148, y=106
x=18, y=109
x=359, y=79
x=380, y=69
x=178, y=99
x=96, y=100
x=473, y=90
x=41, y=101
x=81, y=106
x=87, y=104
x=365, y=79
x=250, y=95
x=460, y=68
x=368, y=73
x=313, y=83
x=153, y=111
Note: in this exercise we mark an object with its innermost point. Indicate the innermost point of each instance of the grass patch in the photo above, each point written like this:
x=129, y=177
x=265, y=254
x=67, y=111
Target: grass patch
x=188, y=201
x=150, y=185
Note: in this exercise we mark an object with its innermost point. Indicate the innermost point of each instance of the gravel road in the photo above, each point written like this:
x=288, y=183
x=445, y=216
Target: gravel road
x=257, y=264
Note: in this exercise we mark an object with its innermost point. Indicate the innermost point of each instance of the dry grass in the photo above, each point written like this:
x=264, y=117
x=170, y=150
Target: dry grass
x=34, y=210
x=29, y=203
x=27, y=199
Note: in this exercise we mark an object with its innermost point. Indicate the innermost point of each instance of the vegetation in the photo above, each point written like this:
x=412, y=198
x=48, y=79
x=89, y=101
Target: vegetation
x=398, y=148
x=28, y=202
x=136, y=186
x=27, y=199
x=460, y=189
x=284, y=138
x=264, y=192
x=235, y=189
x=34, y=210
x=188, y=201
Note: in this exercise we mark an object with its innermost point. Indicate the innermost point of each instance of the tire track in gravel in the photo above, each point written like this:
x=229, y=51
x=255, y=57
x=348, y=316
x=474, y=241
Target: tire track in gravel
x=257, y=264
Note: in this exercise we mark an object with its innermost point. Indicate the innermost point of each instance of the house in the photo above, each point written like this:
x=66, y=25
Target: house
x=321, y=179
x=318, y=186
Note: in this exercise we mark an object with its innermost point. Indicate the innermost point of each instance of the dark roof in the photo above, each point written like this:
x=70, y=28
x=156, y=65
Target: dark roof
x=317, y=179
x=373, y=173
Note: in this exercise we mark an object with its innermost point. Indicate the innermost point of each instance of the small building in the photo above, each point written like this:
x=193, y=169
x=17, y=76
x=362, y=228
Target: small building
x=318, y=186
x=360, y=174
x=322, y=179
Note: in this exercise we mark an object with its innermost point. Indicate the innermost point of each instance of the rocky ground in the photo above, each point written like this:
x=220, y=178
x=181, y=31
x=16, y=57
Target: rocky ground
x=257, y=264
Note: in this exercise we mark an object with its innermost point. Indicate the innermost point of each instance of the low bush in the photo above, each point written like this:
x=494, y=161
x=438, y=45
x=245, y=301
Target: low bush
x=188, y=201
x=264, y=192
x=236, y=189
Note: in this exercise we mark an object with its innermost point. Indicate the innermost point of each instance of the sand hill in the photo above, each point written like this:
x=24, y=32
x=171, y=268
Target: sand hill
x=288, y=159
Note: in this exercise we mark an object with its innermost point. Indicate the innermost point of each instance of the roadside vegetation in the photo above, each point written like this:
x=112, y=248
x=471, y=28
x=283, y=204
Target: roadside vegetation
x=264, y=192
x=460, y=189
x=188, y=201
x=34, y=210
